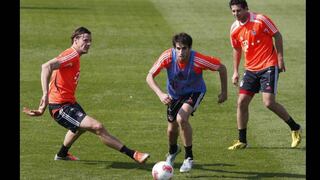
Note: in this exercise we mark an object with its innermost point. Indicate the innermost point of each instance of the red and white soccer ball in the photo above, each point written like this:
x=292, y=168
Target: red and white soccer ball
x=162, y=171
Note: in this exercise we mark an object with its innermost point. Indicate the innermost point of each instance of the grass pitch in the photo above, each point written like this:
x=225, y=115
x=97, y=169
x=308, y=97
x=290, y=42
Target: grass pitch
x=128, y=36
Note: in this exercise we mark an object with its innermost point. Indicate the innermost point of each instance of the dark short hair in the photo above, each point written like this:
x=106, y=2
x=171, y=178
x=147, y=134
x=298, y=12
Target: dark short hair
x=182, y=38
x=242, y=3
x=79, y=31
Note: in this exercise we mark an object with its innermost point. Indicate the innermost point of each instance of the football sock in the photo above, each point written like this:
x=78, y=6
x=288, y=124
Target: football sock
x=127, y=151
x=292, y=124
x=243, y=135
x=63, y=151
x=188, y=153
x=173, y=148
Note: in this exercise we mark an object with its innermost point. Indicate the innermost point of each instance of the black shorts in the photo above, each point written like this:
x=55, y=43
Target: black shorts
x=67, y=115
x=193, y=99
x=265, y=81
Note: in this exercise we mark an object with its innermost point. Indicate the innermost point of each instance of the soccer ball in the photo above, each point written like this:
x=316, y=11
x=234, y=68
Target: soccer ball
x=162, y=171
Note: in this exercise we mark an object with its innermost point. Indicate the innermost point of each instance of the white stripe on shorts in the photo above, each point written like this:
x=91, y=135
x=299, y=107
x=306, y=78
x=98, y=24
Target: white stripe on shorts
x=69, y=118
x=198, y=101
x=276, y=71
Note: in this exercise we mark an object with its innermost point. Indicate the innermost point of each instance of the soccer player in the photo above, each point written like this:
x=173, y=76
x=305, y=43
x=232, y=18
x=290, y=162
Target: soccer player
x=63, y=74
x=185, y=90
x=253, y=34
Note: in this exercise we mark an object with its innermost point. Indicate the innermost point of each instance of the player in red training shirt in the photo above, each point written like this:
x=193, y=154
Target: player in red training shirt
x=63, y=73
x=253, y=34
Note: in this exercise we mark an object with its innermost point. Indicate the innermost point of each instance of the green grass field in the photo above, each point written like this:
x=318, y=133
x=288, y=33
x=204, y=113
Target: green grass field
x=128, y=36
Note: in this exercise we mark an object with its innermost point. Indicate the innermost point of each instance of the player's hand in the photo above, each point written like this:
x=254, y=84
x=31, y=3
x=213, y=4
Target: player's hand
x=37, y=112
x=165, y=99
x=222, y=97
x=282, y=67
x=235, y=79
x=31, y=112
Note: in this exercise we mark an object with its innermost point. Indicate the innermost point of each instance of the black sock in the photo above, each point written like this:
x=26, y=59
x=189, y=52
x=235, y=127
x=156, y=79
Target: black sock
x=127, y=151
x=292, y=124
x=188, y=150
x=173, y=148
x=243, y=135
x=63, y=151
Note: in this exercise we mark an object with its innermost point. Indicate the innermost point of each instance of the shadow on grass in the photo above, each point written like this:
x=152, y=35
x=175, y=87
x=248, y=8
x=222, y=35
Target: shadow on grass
x=268, y=147
x=51, y=8
x=119, y=165
x=213, y=168
x=134, y=165
x=242, y=174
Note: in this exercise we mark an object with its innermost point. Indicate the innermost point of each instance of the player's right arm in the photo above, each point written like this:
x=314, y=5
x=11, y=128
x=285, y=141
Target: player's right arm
x=163, y=61
x=46, y=71
x=236, y=61
x=164, y=97
x=237, y=50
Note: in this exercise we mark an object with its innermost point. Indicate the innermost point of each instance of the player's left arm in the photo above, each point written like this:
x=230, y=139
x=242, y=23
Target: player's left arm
x=223, y=96
x=214, y=64
x=279, y=46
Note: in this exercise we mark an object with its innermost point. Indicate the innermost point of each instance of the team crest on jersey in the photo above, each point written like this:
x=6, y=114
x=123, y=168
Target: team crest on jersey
x=253, y=32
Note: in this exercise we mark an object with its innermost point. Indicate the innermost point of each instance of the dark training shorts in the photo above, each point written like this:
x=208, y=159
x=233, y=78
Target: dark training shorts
x=67, y=115
x=193, y=99
x=265, y=81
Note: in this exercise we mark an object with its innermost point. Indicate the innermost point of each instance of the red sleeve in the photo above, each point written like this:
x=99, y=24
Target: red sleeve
x=271, y=29
x=234, y=42
x=233, y=35
x=67, y=57
x=204, y=62
x=163, y=62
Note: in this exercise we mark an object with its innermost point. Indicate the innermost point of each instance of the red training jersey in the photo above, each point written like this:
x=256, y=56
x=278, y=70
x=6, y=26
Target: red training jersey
x=64, y=80
x=201, y=62
x=255, y=39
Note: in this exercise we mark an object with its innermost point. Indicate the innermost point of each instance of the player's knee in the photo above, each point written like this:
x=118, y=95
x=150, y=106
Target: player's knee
x=172, y=130
x=98, y=127
x=181, y=121
x=269, y=104
x=242, y=104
